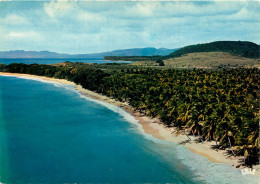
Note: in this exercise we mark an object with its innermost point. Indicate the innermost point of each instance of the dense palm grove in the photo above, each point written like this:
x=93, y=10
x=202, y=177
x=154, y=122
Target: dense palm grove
x=219, y=105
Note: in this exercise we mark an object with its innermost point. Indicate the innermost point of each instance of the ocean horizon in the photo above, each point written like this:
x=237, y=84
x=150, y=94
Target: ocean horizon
x=8, y=61
x=50, y=133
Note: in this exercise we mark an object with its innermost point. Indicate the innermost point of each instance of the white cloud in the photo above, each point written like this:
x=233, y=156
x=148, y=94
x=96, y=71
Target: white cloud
x=89, y=17
x=59, y=8
x=69, y=11
x=25, y=35
x=145, y=9
x=245, y=14
x=14, y=19
x=175, y=9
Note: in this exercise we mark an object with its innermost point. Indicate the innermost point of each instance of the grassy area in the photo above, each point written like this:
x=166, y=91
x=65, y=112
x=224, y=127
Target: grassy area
x=211, y=60
x=145, y=63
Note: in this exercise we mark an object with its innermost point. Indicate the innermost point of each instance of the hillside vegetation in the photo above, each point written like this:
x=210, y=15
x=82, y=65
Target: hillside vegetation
x=219, y=54
x=240, y=48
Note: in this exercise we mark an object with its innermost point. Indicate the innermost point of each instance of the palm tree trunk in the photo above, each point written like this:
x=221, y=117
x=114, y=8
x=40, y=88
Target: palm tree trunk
x=192, y=133
x=231, y=146
x=200, y=136
x=187, y=135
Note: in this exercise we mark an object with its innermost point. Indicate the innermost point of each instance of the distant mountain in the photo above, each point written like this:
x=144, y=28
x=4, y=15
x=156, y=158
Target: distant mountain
x=240, y=48
x=31, y=54
x=150, y=51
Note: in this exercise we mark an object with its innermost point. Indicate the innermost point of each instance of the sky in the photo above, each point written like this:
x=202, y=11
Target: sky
x=81, y=27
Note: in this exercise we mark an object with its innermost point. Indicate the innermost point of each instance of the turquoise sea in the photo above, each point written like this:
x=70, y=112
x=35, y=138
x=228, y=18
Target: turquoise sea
x=49, y=133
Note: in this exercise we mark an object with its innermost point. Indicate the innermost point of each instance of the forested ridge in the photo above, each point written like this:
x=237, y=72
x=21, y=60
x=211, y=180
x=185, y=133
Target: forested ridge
x=240, y=48
x=220, y=105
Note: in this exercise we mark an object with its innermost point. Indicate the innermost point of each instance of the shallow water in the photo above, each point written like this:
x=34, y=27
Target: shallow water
x=49, y=133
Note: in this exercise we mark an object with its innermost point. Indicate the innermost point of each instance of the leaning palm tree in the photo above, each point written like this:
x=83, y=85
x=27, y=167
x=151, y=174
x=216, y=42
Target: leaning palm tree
x=209, y=128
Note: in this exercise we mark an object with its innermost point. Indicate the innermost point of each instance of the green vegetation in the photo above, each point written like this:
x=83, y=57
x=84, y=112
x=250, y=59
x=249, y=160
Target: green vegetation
x=160, y=62
x=2, y=66
x=219, y=105
x=240, y=48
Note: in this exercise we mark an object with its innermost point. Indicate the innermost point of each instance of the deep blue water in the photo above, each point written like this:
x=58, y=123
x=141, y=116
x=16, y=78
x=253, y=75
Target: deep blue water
x=54, y=61
x=49, y=133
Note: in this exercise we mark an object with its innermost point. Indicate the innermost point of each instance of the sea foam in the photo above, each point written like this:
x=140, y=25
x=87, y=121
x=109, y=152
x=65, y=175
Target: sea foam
x=212, y=172
x=128, y=117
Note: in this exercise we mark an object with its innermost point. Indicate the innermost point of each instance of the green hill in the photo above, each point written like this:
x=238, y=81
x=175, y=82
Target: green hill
x=240, y=48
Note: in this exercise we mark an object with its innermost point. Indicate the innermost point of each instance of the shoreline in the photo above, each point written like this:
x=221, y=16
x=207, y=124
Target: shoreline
x=153, y=126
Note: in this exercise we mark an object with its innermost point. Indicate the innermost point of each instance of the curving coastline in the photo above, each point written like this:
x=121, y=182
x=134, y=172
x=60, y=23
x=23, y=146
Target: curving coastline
x=151, y=126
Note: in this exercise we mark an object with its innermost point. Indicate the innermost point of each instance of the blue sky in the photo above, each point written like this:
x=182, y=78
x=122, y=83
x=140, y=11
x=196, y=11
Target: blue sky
x=95, y=26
